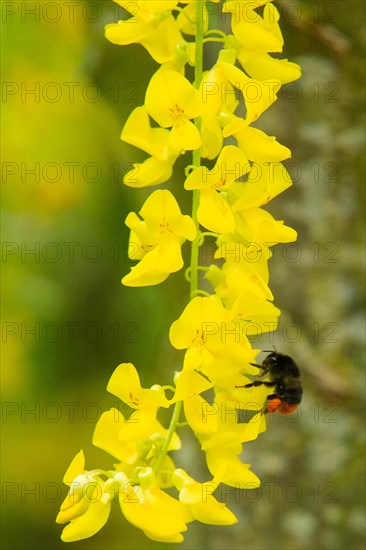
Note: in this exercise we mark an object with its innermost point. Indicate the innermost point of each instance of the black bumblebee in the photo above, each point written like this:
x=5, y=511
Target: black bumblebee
x=284, y=377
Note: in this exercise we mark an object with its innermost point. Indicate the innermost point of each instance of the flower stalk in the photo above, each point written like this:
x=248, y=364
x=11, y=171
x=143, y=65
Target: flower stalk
x=196, y=155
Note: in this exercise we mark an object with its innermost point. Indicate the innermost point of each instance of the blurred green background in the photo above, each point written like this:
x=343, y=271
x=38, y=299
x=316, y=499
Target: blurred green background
x=67, y=321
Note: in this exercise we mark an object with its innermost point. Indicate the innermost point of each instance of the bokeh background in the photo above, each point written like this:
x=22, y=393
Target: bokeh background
x=67, y=321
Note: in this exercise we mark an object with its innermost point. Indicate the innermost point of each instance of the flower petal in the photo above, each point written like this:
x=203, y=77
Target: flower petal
x=88, y=524
x=214, y=213
x=76, y=468
x=146, y=272
x=184, y=134
x=150, y=172
x=179, y=98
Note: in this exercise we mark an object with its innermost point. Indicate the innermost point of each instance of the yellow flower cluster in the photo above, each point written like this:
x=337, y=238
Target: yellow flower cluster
x=214, y=329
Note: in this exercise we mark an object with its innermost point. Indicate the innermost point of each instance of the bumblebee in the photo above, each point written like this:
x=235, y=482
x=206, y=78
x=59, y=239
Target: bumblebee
x=284, y=378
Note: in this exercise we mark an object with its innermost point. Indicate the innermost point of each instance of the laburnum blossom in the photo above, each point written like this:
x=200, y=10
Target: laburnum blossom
x=215, y=345
x=198, y=498
x=174, y=108
x=155, y=141
x=223, y=448
x=255, y=37
x=244, y=266
x=153, y=26
x=125, y=384
x=253, y=30
x=243, y=288
x=253, y=225
x=156, y=239
x=257, y=95
x=264, y=182
x=88, y=503
x=218, y=97
x=214, y=212
x=256, y=144
x=160, y=516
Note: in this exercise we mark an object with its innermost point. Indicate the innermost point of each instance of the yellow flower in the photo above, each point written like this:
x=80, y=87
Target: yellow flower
x=194, y=407
x=223, y=447
x=160, y=516
x=174, y=108
x=87, y=505
x=239, y=273
x=243, y=287
x=225, y=465
x=215, y=345
x=110, y=434
x=154, y=141
x=265, y=181
x=214, y=213
x=197, y=496
x=125, y=384
x=153, y=26
x=262, y=66
x=156, y=239
x=150, y=172
x=255, y=225
x=217, y=92
x=217, y=96
x=229, y=432
x=256, y=145
x=252, y=30
x=257, y=95
x=257, y=314
x=189, y=383
x=113, y=429
x=254, y=57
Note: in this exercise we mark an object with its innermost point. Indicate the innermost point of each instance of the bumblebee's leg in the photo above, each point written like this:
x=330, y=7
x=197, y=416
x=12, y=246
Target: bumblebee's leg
x=258, y=383
x=272, y=396
x=263, y=367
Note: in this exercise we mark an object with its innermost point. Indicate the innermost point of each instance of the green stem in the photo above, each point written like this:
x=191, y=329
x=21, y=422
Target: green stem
x=173, y=425
x=196, y=161
x=195, y=202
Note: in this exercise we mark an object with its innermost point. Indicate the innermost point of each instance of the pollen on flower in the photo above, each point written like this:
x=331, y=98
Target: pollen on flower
x=165, y=227
x=176, y=111
x=133, y=399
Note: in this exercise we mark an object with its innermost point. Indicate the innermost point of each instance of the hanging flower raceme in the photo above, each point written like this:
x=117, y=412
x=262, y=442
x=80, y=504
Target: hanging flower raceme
x=220, y=381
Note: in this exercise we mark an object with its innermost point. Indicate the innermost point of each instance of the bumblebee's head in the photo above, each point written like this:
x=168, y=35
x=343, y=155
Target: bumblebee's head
x=279, y=365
